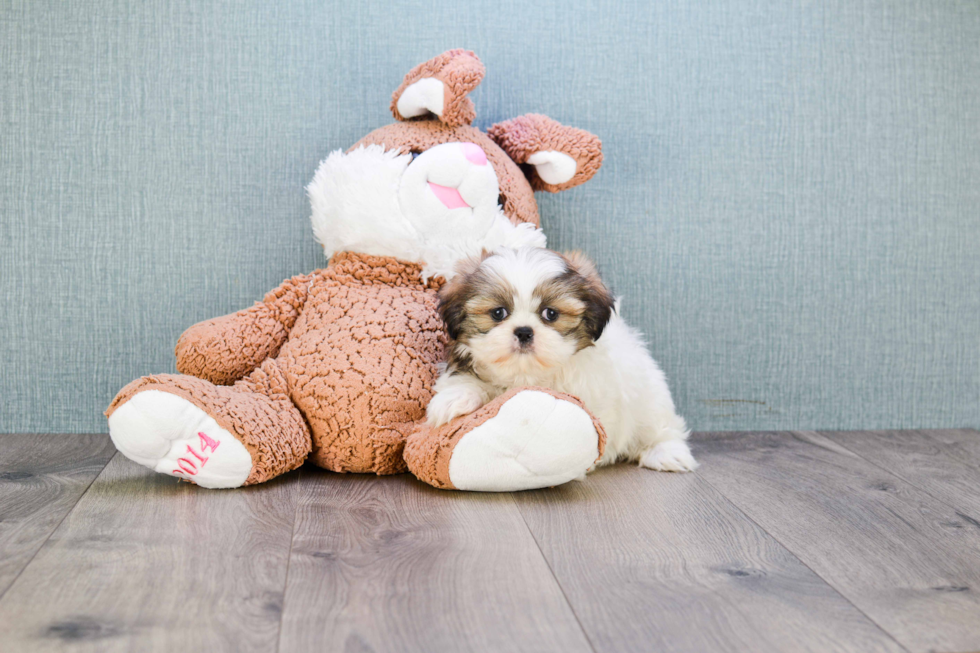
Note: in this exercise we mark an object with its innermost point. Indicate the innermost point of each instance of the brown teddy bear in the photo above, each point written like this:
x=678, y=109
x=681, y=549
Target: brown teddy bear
x=339, y=364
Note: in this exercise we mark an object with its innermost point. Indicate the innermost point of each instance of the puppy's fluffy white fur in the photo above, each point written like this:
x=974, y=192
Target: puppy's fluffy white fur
x=614, y=374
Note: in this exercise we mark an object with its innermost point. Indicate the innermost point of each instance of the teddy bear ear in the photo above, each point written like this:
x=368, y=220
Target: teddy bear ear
x=554, y=156
x=439, y=87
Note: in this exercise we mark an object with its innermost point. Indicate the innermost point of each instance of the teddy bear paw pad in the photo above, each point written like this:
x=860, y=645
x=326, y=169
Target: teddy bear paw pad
x=535, y=440
x=172, y=436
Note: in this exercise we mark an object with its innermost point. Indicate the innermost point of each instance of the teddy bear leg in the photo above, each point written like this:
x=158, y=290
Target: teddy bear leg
x=214, y=436
x=527, y=438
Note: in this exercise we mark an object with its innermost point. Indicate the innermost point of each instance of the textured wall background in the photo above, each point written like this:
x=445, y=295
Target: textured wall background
x=790, y=203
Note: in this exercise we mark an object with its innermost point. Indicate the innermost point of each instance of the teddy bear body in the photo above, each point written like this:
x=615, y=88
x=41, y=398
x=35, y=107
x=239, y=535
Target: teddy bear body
x=361, y=361
x=339, y=364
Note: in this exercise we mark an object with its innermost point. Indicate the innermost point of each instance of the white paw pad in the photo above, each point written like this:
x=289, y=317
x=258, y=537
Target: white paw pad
x=172, y=436
x=670, y=456
x=535, y=440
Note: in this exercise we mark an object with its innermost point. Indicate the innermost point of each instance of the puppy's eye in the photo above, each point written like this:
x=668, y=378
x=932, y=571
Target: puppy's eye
x=499, y=314
x=549, y=315
x=415, y=155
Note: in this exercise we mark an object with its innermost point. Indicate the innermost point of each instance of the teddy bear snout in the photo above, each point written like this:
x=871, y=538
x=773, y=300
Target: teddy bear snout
x=458, y=175
x=450, y=191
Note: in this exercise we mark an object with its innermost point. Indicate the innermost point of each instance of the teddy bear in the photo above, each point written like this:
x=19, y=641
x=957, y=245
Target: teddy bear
x=337, y=366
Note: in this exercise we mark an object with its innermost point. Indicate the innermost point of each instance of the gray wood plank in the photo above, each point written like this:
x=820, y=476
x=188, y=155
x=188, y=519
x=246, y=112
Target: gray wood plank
x=906, y=559
x=390, y=564
x=662, y=562
x=41, y=478
x=145, y=563
x=963, y=444
x=945, y=463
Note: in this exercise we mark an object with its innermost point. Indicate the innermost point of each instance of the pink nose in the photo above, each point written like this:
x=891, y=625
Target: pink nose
x=475, y=154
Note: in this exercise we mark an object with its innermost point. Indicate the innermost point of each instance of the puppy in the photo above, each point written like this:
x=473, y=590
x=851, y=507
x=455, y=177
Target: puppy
x=533, y=317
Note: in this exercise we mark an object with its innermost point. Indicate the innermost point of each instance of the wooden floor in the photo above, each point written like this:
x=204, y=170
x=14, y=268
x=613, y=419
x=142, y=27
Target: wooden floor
x=802, y=541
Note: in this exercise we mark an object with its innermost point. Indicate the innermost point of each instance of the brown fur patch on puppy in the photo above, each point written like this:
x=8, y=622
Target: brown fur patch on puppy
x=465, y=304
x=582, y=282
x=460, y=362
x=454, y=295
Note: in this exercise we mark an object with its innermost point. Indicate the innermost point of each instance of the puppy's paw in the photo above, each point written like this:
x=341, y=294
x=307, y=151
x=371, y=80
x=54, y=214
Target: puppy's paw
x=669, y=456
x=451, y=403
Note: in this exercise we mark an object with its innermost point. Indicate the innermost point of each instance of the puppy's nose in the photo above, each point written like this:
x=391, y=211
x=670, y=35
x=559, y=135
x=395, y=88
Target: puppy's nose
x=524, y=334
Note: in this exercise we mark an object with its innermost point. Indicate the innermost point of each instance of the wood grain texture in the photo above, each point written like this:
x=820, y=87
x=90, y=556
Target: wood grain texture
x=389, y=564
x=944, y=463
x=779, y=542
x=41, y=478
x=145, y=563
x=906, y=559
x=662, y=562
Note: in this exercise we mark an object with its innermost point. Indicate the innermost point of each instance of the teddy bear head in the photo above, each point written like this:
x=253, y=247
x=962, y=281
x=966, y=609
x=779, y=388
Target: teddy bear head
x=431, y=188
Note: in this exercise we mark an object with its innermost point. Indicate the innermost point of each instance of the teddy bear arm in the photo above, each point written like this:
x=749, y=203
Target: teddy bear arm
x=225, y=349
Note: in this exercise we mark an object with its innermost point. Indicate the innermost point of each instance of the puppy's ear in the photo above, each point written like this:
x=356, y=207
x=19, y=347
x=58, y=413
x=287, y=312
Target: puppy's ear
x=455, y=293
x=452, y=306
x=593, y=292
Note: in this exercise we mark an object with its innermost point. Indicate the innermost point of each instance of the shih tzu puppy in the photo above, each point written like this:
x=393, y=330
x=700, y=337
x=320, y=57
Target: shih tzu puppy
x=533, y=317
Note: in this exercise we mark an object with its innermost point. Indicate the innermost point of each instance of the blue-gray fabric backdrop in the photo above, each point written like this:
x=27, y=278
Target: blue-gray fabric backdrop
x=790, y=203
